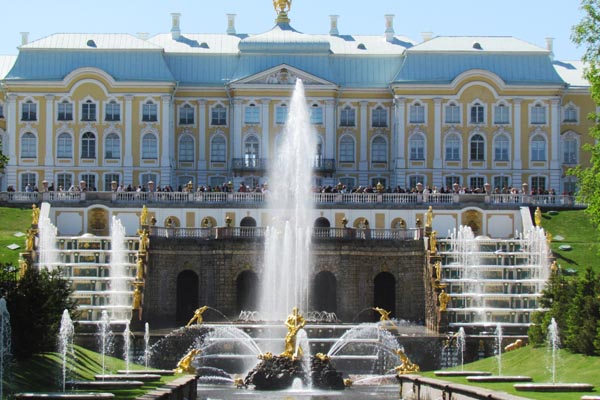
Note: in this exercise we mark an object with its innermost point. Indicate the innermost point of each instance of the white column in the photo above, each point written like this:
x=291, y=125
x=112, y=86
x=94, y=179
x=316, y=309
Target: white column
x=165, y=160
x=49, y=158
x=265, y=123
x=237, y=128
x=127, y=142
x=399, y=139
x=437, y=142
x=330, y=125
x=555, y=171
x=11, y=128
x=364, y=105
x=202, y=155
x=517, y=163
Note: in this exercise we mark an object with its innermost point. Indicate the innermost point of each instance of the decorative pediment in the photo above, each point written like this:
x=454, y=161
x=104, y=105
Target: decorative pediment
x=283, y=75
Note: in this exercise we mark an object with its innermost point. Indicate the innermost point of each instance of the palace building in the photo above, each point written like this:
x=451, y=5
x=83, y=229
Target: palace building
x=181, y=107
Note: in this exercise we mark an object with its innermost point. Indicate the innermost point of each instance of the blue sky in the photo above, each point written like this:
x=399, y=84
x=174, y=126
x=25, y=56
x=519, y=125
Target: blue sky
x=530, y=20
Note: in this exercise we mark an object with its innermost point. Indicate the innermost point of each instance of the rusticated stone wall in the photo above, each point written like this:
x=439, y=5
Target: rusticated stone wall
x=355, y=263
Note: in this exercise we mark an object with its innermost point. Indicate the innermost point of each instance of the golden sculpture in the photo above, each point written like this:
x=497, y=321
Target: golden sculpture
x=30, y=239
x=444, y=299
x=554, y=267
x=144, y=241
x=537, y=216
x=265, y=356
x=35, y=214
x=282, y=6
x=406, y=367
x=514, y=345
x=438, y=270
x=348, y=382
x=137, y=297
x=139, y=271
x=433, y=242
x=144, y=216
x=198, y=316
x=23, y=267
x=185, y=364
x=384, y=315
x=239, y=383
x=295, y=321
x=429, y=217
x=322, y=356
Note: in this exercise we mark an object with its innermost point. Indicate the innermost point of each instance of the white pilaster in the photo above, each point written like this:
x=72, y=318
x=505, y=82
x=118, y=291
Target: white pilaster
x=364, y=105
x=201, y=135
x=517, y=163
x=49, y=157
x=555, y=144
x=11, y=130
x=237, y=128
x=330, y=125
x=265, y=123
x=437, y=132
x=165, y=159
x=128, y=157
x=399, y=139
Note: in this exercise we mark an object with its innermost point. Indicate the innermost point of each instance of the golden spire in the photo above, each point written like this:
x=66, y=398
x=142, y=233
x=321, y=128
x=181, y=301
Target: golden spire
x=282, y=7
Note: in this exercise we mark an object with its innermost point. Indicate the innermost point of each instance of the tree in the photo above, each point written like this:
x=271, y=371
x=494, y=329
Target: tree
x=36, y=306
x=583, y=316
x=587, y=33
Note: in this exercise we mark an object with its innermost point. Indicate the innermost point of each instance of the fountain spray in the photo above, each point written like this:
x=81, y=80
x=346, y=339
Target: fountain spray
x=65, y=343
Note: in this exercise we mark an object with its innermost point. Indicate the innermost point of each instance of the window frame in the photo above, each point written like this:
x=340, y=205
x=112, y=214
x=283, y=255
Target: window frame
x=187, y=115
x=538, y=148
x=111, y=136
x=379, y=117
x=29, y=111
x=452, y=153
x=538, y=114
x=281, y=115
x=477, y=148
x=416, y=113
x=218, y=115
x=149, y=148
x=89, y=111
x=502, y=148
x=28, y=145
x=498, y=120
x=218, y=151
x=88, y=146
x=477, y=113
x=188, y=150
x=416, y=147
x=450, y=110
x=379, y=150
x=64, y=147
x=347, y=149
x=149, y=111
x=251, y=114
x=348, y=116
x=316, y=114
x=64, y=111
x=112, y=111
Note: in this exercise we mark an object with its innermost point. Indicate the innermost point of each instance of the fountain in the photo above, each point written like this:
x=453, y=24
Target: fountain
x=65, y=343
x=146, y=344
x=105, y=338
x=553, y=346
x=47, y=248
x=126, y=345
x=120, y=293
x=461, y=343
x=5, y=341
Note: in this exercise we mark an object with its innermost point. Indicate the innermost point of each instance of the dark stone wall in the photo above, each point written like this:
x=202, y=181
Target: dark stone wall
x=354, y=263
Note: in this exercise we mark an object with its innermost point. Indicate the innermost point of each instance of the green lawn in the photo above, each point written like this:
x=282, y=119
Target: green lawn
x=578, y=232
x=43, y=373
x=534, y=362
x=13, y=220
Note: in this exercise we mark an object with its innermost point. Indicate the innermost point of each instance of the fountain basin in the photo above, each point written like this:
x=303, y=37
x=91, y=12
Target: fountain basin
x=64, y=395
x=462, y=373
x=161, y=372
x=554, y=387
x=128, y=377
x=500, y=378
x=104, y=385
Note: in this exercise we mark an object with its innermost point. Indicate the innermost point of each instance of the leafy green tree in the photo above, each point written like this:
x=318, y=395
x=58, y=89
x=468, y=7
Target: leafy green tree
x=36, y=306
x=587, y=33
x=584, y=314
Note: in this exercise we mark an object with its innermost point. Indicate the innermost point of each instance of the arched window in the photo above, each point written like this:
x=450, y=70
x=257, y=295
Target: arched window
x=88, y=145
x=348, y=116
x=379, y=117
x=452, y=114
x=247, y=291
x=28, y=145
x=570, y=150
x=453, y=147
x=218, y=149
x=64, y=146
x=385, y=293
x=379, y=150
x=186, y=148
x=538, y=148
x=149, y=111
x=88, y=111
x=477, y=148
x=477, y=113
x=149, y=147
x=252, y=114
x=416, y=145
x=538, y=114
x=417, y=113
x=347, y=149
x=501, y=148
x=186, y=115
x=325, y=292
x=112, y=146
x=251, y=151
x=187, y=297
x=218, y=115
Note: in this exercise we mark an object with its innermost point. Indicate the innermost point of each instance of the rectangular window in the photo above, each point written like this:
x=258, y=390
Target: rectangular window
x=379, y=118
x=316, y=115
x=252, y=115
x=218, y=116
x=90, y=181
x=477, y=114
x=29, y=112
x=27, y=179
x=501, y=182
x=570, y=114
x=451, y=180
x=186, y=115
x=538, y=115
x=145, y=178
x=453, y=149
x=88, y=111
x=452, y=114
x=348, y=117
x=149, y=112
x=417, y=114
x=113, y=111
x=501, y=114
x=570, y=152
x=476, y=182
x=65, y=181
x=65, y=111
x=413, y=180
x=281, y=113
x=109, y=179
x=538, y=183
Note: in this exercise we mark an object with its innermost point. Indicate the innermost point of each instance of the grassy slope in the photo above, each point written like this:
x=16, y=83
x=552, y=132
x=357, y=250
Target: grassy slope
x=575, y=227
x=43, y=373
x=13, y=220
x=571, y=368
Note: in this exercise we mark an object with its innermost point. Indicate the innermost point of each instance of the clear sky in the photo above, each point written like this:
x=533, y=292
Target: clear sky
x=530, y=20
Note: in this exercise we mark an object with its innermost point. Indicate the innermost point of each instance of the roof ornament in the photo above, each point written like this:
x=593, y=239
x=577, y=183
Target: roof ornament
x=282, y=7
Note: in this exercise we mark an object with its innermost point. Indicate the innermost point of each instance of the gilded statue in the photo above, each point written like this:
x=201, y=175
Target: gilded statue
x=185, y=364
x=384, y=315
x=406, y=367
x=444, y=299
x=137, y=298
x=348, y=382
x=537, y=216
x=429, y=217
x=433, y=242
x=295, y=321
x=438, y=270
x=514, y=345
x=322, y=356
x=198, y=316
x=144, y=216
x=30, y=239
x=282, y=6
x=139, y=269
x=554, y=267
x=35, y=214
x=144, y=241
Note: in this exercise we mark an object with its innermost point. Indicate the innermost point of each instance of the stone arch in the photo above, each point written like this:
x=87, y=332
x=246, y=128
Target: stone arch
x=324, y=297
x=384, y=292
x=174, y=222
x=187, y=296
x=248, y=221
x=247, y=291
x=398, y=223
x=474, y=220
x=321, y=227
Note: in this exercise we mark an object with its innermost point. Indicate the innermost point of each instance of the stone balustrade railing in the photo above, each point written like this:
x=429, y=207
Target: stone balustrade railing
x=249, y=198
